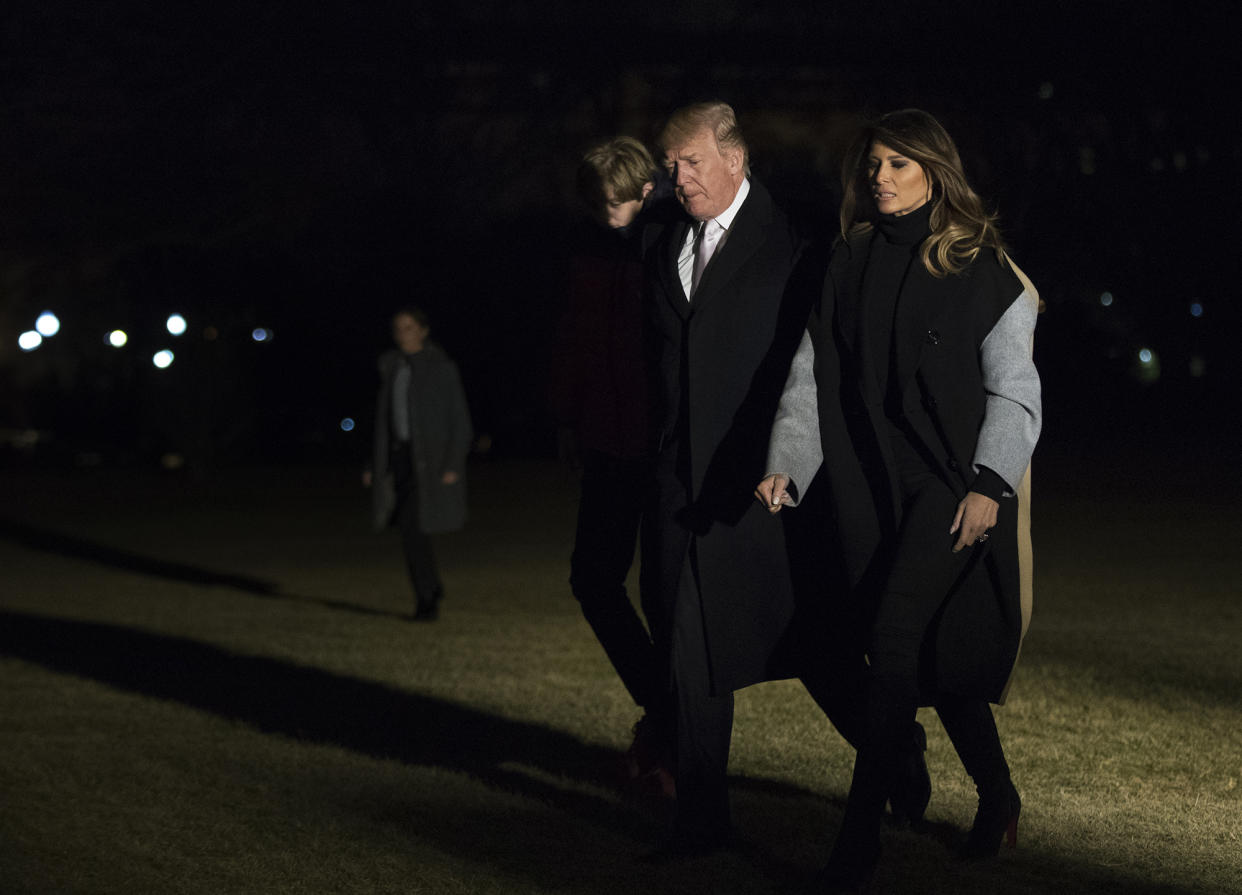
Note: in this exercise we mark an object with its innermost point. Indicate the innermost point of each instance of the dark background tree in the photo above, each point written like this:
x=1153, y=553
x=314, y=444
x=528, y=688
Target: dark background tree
x=306, y=167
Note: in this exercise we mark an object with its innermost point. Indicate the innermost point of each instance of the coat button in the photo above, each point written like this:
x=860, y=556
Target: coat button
x=929, y=402
x=951, y=463
x=933, y=337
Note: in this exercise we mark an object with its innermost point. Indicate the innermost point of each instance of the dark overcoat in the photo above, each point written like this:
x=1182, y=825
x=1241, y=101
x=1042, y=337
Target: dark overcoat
x=939, y=331
x=440, y=435
x=721, y=364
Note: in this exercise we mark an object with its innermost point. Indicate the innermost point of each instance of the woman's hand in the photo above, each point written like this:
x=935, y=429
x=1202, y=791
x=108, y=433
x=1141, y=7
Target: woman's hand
x=772, y=494
x=975, y=515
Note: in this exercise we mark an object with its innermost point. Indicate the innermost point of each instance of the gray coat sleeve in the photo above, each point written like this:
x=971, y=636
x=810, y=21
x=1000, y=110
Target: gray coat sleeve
x=1013, y=414
x=795, y=449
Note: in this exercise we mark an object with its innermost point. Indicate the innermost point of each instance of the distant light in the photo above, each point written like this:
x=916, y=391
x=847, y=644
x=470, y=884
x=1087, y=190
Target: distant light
x=48, y=324
x=1148, y=367
x=29, y=340
x=1180, y=161
x=1196, y=309
x=1045, y=90
x=259, y=334
x=1198, y=366
x=117, y=338
x=176, y=324
x=162, y=359
x=347, y=425
x=1157, y=165
x=210, y=334
x=1106, y=299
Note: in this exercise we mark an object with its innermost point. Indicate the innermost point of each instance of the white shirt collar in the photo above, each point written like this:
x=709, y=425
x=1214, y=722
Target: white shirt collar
x=725, y=218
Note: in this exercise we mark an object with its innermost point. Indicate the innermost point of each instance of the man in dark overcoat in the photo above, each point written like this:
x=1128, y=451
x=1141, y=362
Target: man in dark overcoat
x=726, y=317
x=422, y=438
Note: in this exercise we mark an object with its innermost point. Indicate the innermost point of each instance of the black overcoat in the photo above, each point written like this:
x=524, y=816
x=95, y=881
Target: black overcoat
x=721, y=364
x=440, y=436
x=974, y=642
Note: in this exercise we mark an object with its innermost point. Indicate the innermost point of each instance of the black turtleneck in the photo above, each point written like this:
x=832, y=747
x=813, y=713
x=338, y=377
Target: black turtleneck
x=894, y=248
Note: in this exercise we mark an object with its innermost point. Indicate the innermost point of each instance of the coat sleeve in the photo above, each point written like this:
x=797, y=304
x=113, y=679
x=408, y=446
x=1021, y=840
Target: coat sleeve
x=461, y=432
x=794, y=449
x=1013, y=413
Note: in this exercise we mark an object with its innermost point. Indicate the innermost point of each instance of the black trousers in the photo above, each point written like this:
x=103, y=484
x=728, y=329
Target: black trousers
x=923, y=569
x=703, y=714
x=614, y=508
x=420, y=559
x=703, y=718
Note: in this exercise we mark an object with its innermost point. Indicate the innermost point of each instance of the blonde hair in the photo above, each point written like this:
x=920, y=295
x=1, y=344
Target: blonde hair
x=718, y=117
x=621, y=164
x=960, y=225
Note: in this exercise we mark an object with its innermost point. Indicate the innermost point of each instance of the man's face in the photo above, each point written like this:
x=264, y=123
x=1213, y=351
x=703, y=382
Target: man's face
x=408, y=333
x=706, y=181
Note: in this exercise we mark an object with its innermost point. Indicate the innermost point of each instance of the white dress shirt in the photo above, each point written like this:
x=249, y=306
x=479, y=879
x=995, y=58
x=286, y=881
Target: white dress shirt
x=685, y=261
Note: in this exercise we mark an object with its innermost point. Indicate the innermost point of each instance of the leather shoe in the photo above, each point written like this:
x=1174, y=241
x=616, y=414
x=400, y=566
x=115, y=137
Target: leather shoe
x=850, y=868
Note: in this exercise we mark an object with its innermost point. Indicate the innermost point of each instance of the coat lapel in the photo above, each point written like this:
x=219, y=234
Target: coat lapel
x=851, y=320
x=743, y=240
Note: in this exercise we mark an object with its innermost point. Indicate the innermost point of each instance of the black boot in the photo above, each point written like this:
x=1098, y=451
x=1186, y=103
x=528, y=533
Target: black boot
x=912, y=786
x=995, y=821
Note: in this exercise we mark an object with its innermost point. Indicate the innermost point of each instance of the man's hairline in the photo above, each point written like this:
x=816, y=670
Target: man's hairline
x=676, y=150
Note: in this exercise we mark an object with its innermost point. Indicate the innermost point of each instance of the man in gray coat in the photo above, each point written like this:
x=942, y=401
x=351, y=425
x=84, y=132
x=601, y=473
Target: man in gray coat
x=422, y=437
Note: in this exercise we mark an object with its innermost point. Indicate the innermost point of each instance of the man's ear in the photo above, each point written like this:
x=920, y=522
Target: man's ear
x=647, y=188
x=734, y=158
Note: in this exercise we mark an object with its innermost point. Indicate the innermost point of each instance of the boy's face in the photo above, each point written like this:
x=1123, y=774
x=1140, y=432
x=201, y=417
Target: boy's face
x=618, y=213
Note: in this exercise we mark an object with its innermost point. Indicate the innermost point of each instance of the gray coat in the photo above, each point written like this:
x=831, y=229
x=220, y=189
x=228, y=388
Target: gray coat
x=440, y=435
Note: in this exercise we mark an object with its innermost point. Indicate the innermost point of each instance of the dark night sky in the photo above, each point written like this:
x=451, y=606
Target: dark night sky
x=308, y=166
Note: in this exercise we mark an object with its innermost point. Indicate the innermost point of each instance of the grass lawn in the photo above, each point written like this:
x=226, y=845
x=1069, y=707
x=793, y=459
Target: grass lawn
x=212, y=686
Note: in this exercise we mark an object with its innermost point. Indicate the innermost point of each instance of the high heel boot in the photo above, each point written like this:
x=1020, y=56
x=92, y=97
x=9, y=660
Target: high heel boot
x=995, y=821
x=912, y=786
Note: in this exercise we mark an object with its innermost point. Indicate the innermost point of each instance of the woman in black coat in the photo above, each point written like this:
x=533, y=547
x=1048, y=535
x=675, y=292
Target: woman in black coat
x=915, y=385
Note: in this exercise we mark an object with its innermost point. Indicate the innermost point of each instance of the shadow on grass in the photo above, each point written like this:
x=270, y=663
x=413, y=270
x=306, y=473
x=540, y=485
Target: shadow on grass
x=572, y=777
x=48, y=541
x=310, y=704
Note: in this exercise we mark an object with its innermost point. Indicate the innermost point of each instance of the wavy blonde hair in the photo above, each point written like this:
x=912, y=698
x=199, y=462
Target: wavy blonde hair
x=960, y=225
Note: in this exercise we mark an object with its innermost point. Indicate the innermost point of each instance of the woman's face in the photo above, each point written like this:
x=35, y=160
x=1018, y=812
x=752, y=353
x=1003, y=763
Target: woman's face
x=898, y=184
